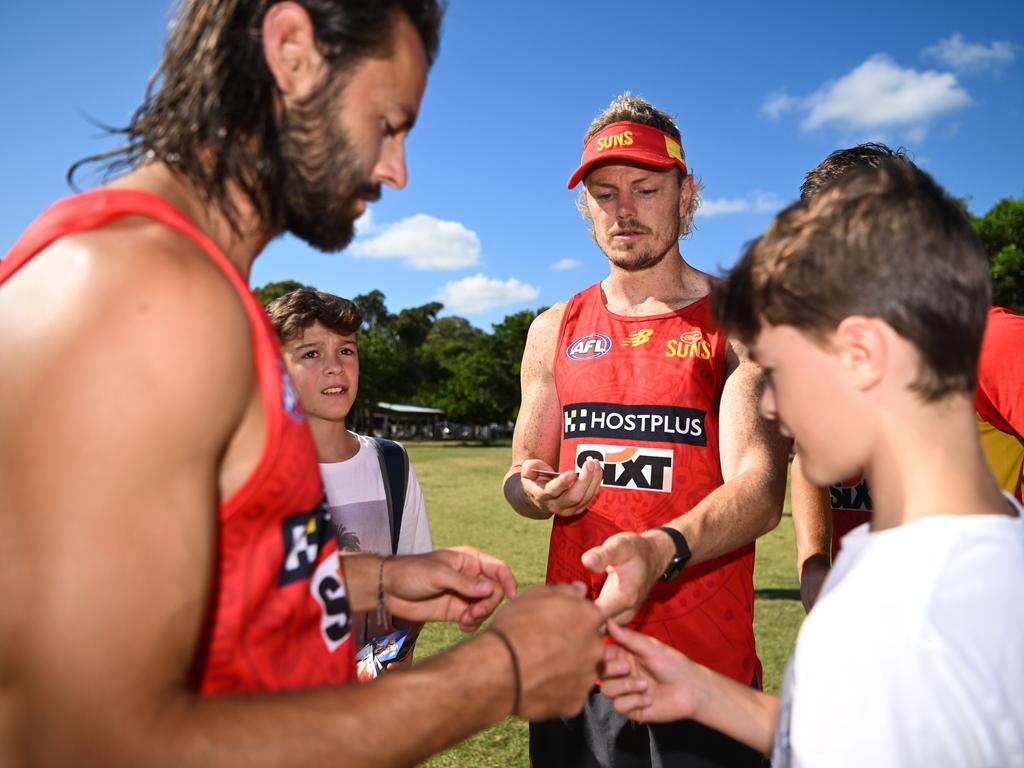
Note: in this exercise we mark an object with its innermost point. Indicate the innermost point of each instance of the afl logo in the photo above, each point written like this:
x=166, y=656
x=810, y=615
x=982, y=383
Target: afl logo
x=691, y=337
x=588, y=347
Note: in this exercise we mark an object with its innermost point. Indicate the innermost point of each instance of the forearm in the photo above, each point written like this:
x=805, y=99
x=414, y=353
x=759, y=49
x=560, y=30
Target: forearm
x=745, y=714
x=734, y=514
x=518, y=499
x=398, y=719
x=812, y=517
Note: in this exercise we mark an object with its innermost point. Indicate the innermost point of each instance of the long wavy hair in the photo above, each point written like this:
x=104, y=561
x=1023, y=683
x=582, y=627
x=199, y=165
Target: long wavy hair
x=209, y=107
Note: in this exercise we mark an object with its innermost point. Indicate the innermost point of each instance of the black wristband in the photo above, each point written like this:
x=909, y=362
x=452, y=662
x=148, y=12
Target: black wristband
x=681, y=556
x=516, y=673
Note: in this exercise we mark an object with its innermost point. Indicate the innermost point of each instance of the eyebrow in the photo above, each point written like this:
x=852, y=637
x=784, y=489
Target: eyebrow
x=645, y=179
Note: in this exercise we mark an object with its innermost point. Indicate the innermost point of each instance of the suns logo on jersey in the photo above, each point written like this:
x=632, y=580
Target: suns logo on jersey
x=588, y=347
x=690, y=344
x=638, y=337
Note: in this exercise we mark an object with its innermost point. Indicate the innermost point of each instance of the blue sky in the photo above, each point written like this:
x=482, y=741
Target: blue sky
x=762, y=92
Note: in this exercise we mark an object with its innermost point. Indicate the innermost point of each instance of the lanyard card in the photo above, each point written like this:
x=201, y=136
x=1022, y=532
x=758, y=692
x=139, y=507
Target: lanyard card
x=372, y=657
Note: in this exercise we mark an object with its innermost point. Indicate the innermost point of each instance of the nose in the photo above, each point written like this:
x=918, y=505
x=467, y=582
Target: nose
x=626, y=208
x=390, y=168
x=332, y=366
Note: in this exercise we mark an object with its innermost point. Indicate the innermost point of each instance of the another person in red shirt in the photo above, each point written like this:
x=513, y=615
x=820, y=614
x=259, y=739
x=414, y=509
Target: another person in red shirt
x=639, y=434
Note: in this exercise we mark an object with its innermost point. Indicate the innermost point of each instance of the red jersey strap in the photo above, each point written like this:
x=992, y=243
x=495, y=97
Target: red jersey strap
x=95, y=208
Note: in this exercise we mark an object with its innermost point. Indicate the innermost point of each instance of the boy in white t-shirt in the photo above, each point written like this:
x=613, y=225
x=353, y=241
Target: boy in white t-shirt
x=372, y=490
x=866, y=307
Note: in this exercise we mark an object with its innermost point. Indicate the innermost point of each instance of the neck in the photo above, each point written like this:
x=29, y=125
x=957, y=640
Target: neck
x=240, y=250
x=333, y=440
x=929, y=462
x=669, y=285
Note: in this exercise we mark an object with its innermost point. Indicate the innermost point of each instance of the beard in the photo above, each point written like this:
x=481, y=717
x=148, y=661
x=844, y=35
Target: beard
x=636, y=258
x=322, y=176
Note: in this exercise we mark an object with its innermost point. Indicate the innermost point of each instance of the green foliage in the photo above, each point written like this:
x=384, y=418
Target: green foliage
x=267, y=293
x=1002, y=232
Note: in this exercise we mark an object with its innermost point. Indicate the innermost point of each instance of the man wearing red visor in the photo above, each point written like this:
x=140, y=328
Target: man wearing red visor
x=639, y=434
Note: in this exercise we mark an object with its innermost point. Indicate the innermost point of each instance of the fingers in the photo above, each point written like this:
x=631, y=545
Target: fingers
x=638, y=644
x=633, y=706
x=626, y=685
x=614, y=550
x=499, y=572
x=565, y=495
x=472, y=561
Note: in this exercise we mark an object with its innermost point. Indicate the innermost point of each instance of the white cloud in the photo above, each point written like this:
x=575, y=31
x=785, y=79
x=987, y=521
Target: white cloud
x=364, y=224
x=719, y=205
x=956, y=53
x=754, y=202
x=881, y=93
x=565, y=264
x=767, y=202
x=478, y=293
x=917, y=133
x=423, y=242
x=776, y=103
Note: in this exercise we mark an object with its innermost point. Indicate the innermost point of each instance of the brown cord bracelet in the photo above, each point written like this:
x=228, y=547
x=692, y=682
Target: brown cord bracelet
x=515, y=668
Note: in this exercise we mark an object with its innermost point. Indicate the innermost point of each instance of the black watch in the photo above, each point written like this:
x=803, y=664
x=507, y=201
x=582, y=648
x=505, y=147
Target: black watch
x=680, y=558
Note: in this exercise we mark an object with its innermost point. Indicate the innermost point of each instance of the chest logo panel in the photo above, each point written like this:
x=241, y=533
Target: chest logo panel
x=638, y=337
x=588, y=347
x=629, y=466
x=650, y=423
x=690, y=344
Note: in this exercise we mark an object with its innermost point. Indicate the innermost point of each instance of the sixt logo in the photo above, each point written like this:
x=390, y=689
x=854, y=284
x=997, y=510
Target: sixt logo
x=690, y=344
x=643, y=469
x=850, y=495
x=588, y=347
x=638, y=337
x=651, y=423
x=623, y=139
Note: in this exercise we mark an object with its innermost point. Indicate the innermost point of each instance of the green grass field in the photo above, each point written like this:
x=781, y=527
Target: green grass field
x=462, y=485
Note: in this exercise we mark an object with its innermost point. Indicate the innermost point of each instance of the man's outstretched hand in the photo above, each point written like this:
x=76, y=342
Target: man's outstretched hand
x=633, y=563
x=461, y=584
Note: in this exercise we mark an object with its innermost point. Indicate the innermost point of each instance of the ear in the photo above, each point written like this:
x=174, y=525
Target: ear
x=862, y=346
x=685, y=195
x=289, y=47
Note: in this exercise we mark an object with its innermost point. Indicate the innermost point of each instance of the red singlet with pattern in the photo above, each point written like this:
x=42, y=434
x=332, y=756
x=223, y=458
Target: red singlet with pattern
x=641, y=395
x=278, y=615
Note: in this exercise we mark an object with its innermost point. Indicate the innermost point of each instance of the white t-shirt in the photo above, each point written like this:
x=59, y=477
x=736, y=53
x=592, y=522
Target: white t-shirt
x=358, y=505
x=914, y=652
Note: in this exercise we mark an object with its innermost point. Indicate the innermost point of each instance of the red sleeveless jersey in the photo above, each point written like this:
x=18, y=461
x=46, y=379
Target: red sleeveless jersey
x=641, y=395
x=278, y=615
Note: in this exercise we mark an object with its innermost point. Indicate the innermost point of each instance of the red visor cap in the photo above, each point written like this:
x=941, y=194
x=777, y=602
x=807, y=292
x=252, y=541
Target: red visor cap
x=631, y=141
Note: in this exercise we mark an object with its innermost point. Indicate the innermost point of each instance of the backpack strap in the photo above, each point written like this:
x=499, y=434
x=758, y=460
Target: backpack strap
x=394, y=469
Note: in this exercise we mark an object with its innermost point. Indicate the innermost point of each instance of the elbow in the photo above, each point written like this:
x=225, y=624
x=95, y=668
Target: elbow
x=774, y=499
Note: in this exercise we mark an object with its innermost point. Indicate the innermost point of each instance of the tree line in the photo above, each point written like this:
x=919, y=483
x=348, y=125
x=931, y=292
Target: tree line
x=414, y=356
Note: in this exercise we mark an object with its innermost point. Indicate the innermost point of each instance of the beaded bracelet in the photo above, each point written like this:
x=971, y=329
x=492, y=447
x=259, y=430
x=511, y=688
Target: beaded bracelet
x=516, y=701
